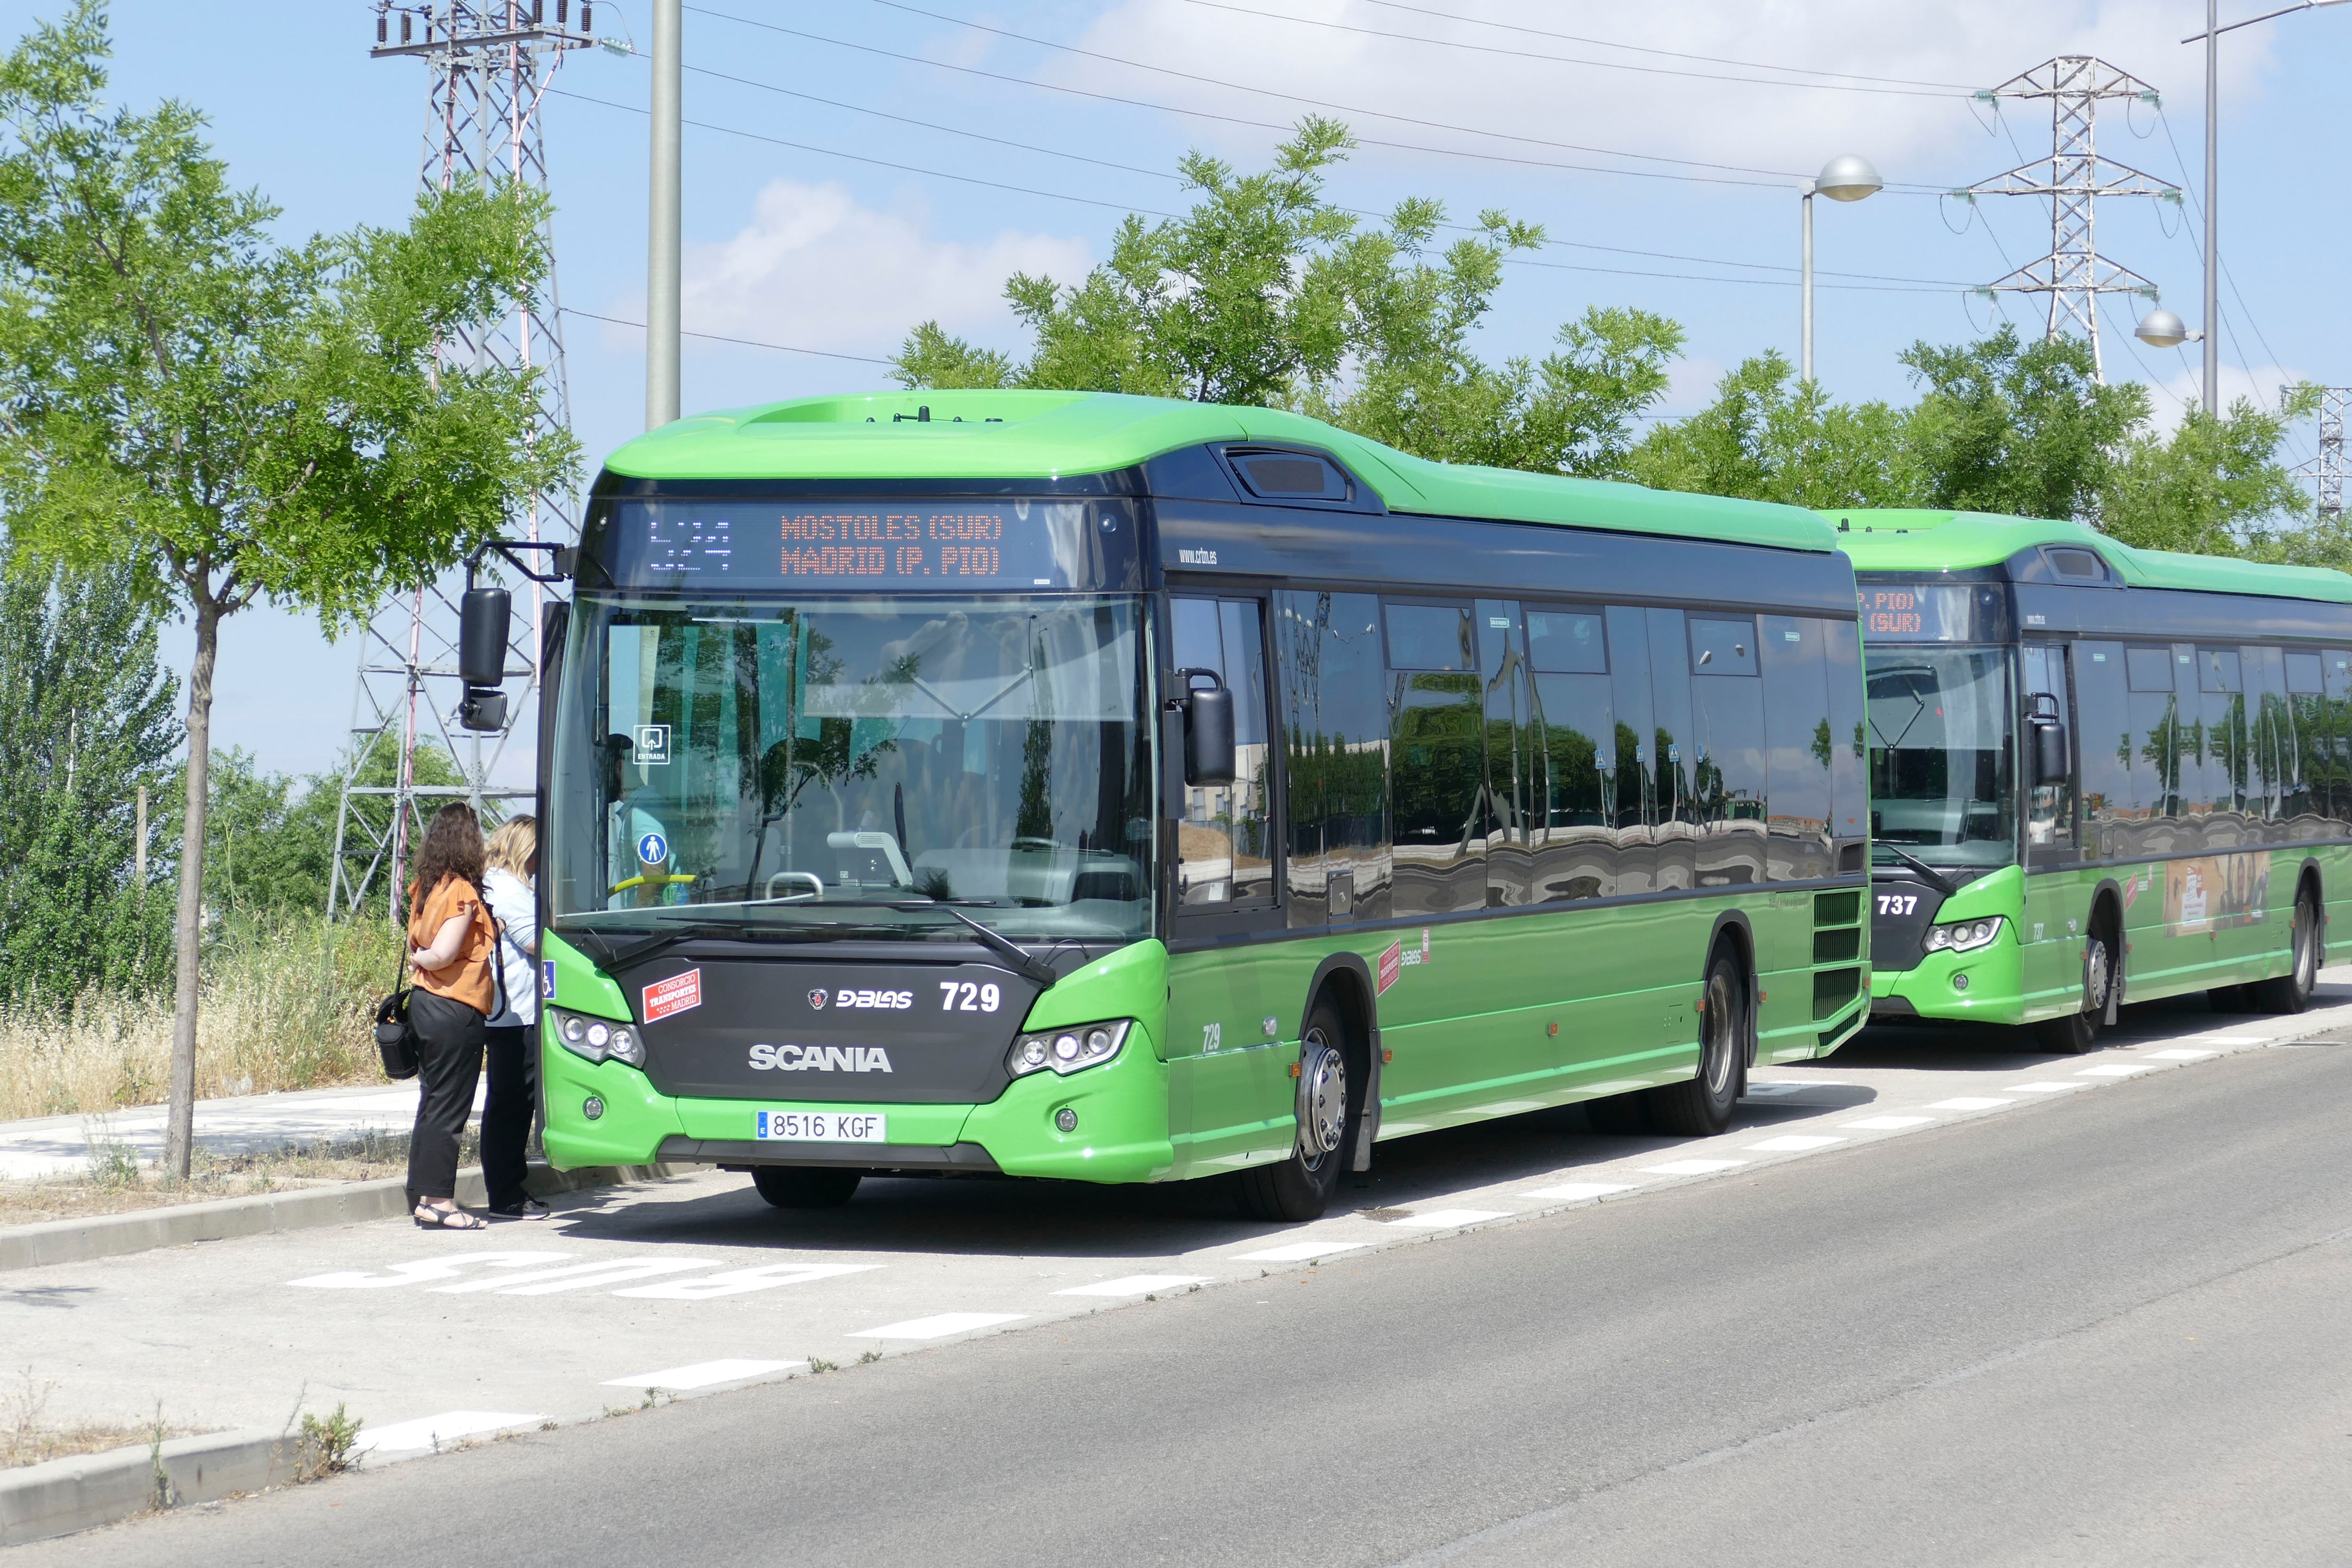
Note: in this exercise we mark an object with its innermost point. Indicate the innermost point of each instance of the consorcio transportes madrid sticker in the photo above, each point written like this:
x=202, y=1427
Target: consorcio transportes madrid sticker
x=676, y=995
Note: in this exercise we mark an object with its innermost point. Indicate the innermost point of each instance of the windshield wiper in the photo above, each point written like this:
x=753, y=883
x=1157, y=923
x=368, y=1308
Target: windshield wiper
x=617, y=956
x=996, y=941
x=1928, y=874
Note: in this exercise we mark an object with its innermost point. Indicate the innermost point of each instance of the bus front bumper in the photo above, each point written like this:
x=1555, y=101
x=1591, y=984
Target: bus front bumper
x=1986, y=986
x=1119, y=1133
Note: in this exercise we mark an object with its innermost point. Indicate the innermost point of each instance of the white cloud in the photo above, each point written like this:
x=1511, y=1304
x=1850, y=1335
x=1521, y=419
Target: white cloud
x=1971, y=43
x=813, y=269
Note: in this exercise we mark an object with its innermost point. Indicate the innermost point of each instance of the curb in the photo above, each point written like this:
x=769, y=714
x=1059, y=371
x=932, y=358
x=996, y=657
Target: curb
x=89, y=1490
x=110, y=1236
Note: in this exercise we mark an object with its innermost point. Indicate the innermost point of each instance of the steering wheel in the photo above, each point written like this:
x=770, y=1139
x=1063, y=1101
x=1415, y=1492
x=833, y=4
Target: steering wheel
x=1027, y=842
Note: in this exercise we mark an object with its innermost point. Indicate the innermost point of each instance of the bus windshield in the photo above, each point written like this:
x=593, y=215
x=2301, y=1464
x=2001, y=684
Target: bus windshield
x=863, y=765
x=1939, y=755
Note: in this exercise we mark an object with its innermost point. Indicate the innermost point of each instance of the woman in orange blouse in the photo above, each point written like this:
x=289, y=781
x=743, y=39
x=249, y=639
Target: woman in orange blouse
x=452, y=943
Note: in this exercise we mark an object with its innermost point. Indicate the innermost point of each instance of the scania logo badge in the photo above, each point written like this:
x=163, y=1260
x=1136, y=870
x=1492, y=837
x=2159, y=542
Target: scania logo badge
x=816, y=999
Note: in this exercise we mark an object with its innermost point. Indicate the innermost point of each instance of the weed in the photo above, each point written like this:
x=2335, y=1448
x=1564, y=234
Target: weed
x=327, y=1447
x=113, y=1166
x=869, y=1357
x=818, y=1363
x=1151, y=1296
x=162, y=1496
x=547, y=1426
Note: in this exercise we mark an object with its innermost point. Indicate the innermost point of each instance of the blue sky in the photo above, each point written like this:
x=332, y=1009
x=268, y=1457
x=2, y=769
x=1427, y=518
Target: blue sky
x=885, y=163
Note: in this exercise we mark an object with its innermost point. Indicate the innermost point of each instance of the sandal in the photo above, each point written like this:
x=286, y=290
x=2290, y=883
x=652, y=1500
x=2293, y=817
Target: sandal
x=528, y=1209
x=430, y=1216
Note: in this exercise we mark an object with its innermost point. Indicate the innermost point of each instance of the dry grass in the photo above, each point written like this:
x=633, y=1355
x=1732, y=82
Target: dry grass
x=28, y=1438
x=114, y=1185
x=286, y=1005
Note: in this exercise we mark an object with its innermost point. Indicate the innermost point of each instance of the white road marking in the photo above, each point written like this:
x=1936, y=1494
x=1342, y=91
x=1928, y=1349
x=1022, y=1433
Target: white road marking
x=433, y=1431
x=939, y=1326
x=1890, y=1123
x=1693, y=1167
x=701, y=1374
x=1135, y=1285
x=1436, y=1219
x=2183, y=1056
x=1577, y=1192
x=1792, y=1143
x=736, y=1281
x=2040, y=1086
x=1763, y=1091
x=1301, y=1251
x=580, y=1277
x=2116, y=1070
x=1969, y=1103
x=417, y=1273
x=2235, y=1039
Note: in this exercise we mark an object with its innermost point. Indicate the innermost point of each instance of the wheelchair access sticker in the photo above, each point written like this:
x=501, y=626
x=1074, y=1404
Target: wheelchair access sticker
x=547, y=980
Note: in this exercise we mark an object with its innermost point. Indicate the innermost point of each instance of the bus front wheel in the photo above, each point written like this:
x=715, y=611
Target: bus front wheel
x=1300, y=1185
x=804, y=1186
x=2291, y=992
x=1703, y=1106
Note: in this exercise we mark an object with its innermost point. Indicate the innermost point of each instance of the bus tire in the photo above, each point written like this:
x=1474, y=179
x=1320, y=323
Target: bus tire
x=2291, y=992
x=1299, y=1186
x=2075, y=1033
x=805, y=1186
x=1702, y=1107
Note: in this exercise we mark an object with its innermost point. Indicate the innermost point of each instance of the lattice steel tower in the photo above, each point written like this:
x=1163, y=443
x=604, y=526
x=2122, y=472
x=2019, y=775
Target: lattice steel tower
x=490, y=61
x=2326, y=471
x=2074, y=177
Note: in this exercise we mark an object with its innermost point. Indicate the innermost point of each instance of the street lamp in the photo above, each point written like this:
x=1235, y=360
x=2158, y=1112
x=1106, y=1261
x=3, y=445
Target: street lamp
x=1845, y=178
x=2163, y=330
x=2212, y=35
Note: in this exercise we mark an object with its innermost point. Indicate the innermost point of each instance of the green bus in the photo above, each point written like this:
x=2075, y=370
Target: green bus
x=2097, y=774
x=1099, y=787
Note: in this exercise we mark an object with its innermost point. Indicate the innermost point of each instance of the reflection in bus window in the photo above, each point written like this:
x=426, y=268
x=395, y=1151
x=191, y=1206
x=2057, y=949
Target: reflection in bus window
x=1224, y=859
x=1940, y=763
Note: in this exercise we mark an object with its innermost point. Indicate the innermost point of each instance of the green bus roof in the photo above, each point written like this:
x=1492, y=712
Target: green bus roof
x=1924, y=540
x=1048, y=434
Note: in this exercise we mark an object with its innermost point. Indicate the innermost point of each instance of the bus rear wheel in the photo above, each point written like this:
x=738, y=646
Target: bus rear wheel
x=804, y=1186
x=2291, y=992
x=1300, y=1185
x=1703, y=1106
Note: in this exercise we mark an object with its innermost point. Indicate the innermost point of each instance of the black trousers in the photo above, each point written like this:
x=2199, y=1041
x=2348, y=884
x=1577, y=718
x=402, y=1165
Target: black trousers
x=448, y=1064
x=506, y=1114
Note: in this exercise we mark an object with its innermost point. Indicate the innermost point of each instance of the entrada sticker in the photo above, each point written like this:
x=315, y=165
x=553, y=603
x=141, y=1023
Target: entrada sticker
x=1391, y=965
x=652, y=750
x=678, y=994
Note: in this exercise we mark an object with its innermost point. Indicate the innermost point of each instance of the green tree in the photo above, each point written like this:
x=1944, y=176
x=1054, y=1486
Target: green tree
x=86, y=713
x=1266, y=293
x=1770, y=437
x=2024, y=428
x=234, y=419
x=2215, y=487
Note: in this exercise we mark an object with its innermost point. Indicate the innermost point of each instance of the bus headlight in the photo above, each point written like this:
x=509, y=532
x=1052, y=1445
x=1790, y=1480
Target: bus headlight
x=599, y=1039
x=1074, y=1049
x=1963, y=936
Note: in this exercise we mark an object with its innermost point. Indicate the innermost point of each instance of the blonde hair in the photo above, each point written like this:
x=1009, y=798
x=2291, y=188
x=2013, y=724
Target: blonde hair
x=514, y=846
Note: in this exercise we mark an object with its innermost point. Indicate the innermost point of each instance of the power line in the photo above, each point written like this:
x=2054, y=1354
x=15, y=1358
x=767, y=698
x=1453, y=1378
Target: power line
x=1777, y=180
x=717, y=338
x=1667, y=54
x=1162, y=174
x=1907, y=288
x=1567, y=59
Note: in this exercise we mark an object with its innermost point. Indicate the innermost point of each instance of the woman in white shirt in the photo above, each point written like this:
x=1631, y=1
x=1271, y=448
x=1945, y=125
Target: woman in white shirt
x=511, y=1034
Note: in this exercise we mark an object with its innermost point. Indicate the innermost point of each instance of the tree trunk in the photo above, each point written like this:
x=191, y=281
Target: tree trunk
x=179, y=1138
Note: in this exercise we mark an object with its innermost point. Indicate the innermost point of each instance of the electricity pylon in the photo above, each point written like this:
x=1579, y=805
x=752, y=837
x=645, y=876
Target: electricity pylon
x=2074, y=177
x=490, y=63
x=2326, y=471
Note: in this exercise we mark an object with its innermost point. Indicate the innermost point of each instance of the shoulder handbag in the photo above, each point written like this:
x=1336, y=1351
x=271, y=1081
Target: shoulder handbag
x=396, y=1037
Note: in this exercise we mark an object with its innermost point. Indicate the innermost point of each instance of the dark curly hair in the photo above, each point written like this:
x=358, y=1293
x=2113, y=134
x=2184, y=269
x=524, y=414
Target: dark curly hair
x=452, y=847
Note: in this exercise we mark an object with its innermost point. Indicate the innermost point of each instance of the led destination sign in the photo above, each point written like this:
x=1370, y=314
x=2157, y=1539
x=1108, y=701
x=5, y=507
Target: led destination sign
x=1929, y=612
x=893, y=544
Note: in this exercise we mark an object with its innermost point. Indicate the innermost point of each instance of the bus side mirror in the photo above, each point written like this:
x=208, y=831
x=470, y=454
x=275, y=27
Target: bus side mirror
x=1208, y=732
x=482, y=616
x=2050, y=751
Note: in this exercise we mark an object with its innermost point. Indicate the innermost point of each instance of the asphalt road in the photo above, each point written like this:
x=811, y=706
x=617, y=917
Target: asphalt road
x=2110, y=1329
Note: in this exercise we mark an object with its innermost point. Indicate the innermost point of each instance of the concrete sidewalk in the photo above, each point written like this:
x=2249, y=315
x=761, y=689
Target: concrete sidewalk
x=58, y=1145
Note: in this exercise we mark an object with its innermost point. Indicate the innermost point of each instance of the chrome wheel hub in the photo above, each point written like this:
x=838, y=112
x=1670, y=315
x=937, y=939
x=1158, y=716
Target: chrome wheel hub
x=1322, y=1098
x=2098, y=974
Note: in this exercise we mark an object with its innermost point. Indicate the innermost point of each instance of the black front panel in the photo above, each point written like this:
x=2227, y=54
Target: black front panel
x=919, y=1034
x=1901, y=910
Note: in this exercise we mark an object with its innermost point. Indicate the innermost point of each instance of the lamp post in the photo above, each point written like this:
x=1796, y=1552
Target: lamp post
x=2211, y=36
x=661, y=269
x=2163, y=330
x=1845, y=178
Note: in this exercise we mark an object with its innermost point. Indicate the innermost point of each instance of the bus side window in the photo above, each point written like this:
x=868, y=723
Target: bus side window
x=1223, y=853
x=2336, y=736
x=2050, y=808
x=1849, y=780
x=2270, y=764
x=2114, y=800
x=1336, y=742
x=1798, y=749
x=2306, y=704
x=1438, y=761
x=1575, y=738
x=1729, y=777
